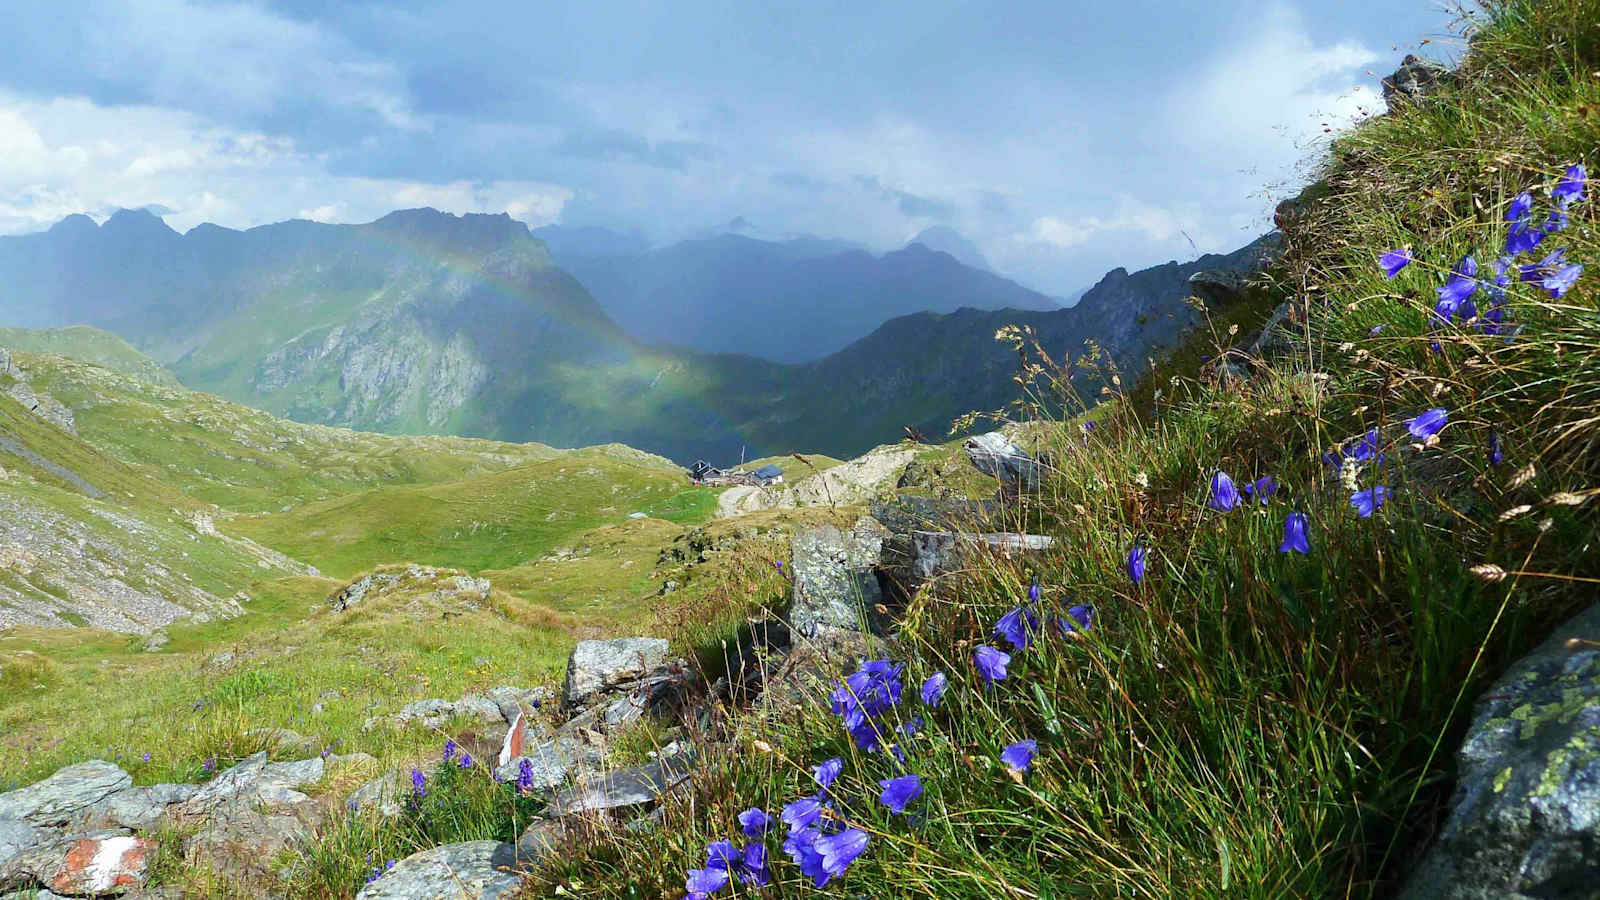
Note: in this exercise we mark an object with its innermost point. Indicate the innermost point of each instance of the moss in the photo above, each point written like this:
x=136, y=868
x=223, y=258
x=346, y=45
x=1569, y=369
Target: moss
x=1502, y=779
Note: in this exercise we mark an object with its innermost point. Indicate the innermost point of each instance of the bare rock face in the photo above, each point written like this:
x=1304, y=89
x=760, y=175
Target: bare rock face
x=101, y=865
x=1526, y=813
x=17, y=836
x=475, y=870
x=597, y=665
x=53, y=801
x=835, y=582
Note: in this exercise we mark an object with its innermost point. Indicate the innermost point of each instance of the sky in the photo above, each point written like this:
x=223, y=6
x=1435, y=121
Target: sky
x=1063, y=138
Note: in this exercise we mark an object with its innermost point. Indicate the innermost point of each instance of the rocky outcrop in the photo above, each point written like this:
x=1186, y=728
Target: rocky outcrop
x=835, y=579
x=638, y=786
x=597, y=665
x=1218, y=287
x=475, y=870
x=1525, y=816
x=860, y=480
x=54, y=800
x=1416, y=78
x=105, y=864
x=434, y=584
x=15, y=385
x=995, y=454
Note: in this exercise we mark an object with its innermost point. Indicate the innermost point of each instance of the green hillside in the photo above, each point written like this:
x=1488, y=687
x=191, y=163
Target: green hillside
x=90, y=345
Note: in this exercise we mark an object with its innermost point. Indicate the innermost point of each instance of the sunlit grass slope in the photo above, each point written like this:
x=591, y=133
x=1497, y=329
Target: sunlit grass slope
x=1241, y=720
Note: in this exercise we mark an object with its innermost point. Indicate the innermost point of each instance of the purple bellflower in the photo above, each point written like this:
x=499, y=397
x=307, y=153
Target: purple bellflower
x=991, y=663
x=1018, y=627
x=1367, y=501
x=1428, y=424
x=1019, y=756
x=899, y=792
x=1136, y=563
x=1393, y=261
x=754, y=822
x=1294, y=534
x=1224, y=495
x=1570, y=188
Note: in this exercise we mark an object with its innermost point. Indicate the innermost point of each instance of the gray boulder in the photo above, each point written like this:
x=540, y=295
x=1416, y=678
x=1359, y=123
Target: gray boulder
x=550, y=764
x=835, y=582
x=621, y=789
x=994, y=454
x=256, y=781
x=241, y=839
x=139, y=808
x=17, y=836
x=102, y=864
x=1525, y=819
x=476, y=870
x=595, y=666
x=1415, y=79
x=935, y=553
x=512, y=700
x=54, y=800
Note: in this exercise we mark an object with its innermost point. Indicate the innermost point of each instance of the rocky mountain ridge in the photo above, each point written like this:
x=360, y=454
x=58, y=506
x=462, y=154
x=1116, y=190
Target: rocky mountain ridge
x=423, y=322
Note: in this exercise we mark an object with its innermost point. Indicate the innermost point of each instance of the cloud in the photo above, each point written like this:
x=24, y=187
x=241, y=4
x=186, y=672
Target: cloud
x=70, y=155
x=1266, y=101
x=615, y=145
x=1150, y=222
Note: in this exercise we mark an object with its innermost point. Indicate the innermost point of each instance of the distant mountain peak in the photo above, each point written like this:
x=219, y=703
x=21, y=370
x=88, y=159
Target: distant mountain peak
x=469, y=232
x=946, y=239
x=136, y=221
x=77, y=223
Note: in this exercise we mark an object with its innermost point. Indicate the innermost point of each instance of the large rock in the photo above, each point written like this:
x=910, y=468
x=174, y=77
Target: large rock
x=1217, y=287
x=851, y=483
x=835, y=582
x=54, y=800
x=476, y=870
x=595, y=666
x=101, y=864
x=994, y=454
x=17, y=836
x=936, y=553
x=434, y=714
x=241, y=839
x=549, y=764
x=139, y=808
x=254, y=780
x=1415, y=79
x=1525, y=819
x=514, y=700
x=621, y=790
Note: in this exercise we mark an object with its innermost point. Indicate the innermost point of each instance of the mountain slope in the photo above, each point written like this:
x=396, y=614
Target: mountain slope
x=423, y=322
x=792, y=301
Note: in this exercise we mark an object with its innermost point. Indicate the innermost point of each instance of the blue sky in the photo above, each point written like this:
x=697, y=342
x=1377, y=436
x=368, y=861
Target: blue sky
x=1063, y=138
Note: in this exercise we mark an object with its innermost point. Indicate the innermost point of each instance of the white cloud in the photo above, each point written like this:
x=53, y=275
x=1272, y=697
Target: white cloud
x=236, y=59
x=1265, y=102
x=69, y=155
x=1152, y=223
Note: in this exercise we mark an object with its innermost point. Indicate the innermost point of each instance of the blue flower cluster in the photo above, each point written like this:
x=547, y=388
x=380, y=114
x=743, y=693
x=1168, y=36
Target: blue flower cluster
x=820, y=840
x=1553, y=273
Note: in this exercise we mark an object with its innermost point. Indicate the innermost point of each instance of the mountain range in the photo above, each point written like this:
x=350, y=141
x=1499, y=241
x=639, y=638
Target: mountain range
x=425, y=322
x=790, y=301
